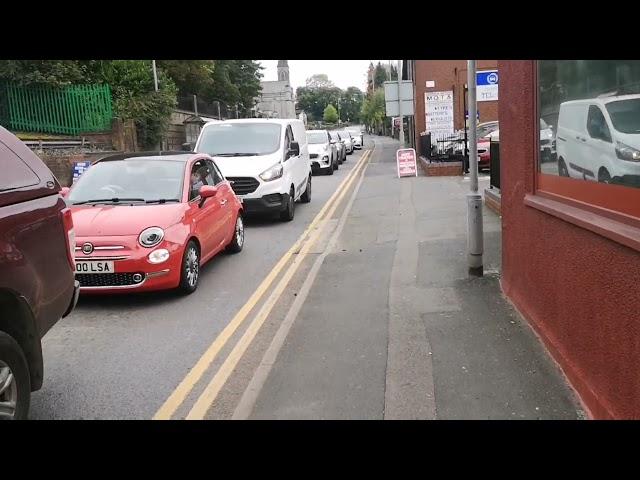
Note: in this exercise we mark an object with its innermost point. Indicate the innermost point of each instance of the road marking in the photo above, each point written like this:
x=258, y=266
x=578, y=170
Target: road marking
x=178, y=396
x=250, y=395
x=211, y=391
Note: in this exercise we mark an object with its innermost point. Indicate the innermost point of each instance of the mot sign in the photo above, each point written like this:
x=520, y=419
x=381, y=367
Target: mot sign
x=406, y=161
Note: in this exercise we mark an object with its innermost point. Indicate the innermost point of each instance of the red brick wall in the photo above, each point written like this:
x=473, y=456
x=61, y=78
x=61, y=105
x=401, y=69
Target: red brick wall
x=578, y=289
x=449, y=75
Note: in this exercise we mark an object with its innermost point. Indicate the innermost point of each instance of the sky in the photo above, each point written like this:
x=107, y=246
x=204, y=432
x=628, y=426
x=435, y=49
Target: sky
x=343, y=73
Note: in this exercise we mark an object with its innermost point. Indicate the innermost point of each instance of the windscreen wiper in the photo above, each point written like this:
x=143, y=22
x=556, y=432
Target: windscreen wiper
x=110, y=200
x=235, y=154
x=162, y=200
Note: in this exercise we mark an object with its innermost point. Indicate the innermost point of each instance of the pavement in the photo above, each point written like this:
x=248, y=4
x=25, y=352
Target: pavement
x=360, y=308
x=392, y=326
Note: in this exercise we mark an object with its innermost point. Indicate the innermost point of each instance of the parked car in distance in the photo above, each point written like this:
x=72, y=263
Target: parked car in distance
x=266, y=159
x=348, y=141
x=323, y=152
x=342, y=151
x=149, y=221
x=358, y=137
x=37, y=285
x=599, y=139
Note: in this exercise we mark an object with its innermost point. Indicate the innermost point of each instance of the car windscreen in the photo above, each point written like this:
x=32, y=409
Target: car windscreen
x=131, y=180
x=334, y=136
x=344, y=135
x=485, y=130
x=543, y=125
x=625, y=115
x=317, y=137
x=227, y=139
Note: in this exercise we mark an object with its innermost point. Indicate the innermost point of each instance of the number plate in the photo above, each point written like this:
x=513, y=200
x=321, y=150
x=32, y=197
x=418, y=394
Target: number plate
x=95, y=267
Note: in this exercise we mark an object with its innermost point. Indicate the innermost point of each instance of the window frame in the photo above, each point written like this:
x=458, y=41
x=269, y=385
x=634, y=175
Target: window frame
x=610, y=210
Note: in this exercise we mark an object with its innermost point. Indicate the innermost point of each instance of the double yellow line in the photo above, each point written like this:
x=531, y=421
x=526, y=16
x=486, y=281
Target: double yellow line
x=302, y=245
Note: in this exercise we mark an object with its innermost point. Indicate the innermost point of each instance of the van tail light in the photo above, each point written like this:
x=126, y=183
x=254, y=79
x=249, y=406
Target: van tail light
x=67, y=221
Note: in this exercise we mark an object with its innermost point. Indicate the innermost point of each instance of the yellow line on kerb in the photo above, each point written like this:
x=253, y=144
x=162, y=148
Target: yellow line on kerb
x=181, y=392
x=210, y=393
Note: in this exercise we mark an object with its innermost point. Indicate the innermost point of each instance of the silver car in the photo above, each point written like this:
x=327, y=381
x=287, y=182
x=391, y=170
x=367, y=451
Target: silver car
x=358, y=137
x=346, y=138
x=342, y=151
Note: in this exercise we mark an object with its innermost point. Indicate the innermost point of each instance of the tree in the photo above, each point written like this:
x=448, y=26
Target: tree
x=246, y=74
x=351, y=104
x=54, y=73
x=319, y=80
x=381, y=75
x=330, y=114
x=373, y=109
x=192, y=77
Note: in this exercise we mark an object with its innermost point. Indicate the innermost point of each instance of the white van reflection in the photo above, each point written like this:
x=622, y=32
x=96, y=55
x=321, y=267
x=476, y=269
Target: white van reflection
x=599, y=139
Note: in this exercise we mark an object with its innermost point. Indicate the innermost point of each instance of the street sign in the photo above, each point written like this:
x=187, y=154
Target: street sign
x=79, y=168
x=487, y=85
x=466, y=114
x=406, y=162
x=391, y=98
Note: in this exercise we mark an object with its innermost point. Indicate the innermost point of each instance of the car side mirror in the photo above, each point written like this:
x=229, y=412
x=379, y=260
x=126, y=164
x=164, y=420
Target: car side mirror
x=65, y=192
x=207, y=191
x=294, y=149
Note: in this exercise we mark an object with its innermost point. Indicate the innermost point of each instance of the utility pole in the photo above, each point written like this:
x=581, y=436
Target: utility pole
x=218, y=105
x=155, y=74
x=475, y=244
x=401, y=133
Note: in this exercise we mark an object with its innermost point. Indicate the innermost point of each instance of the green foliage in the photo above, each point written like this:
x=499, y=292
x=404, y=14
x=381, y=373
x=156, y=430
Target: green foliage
x=351, y=104
x=321, y=92
x=373, y=109
x=192, y=77
x=330, y=114
x=53, y=73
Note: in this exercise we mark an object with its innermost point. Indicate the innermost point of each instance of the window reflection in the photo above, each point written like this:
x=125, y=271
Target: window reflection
x=590, y=120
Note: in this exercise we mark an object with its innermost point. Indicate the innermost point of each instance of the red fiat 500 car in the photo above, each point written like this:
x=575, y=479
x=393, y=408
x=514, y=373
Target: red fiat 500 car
x=148, y=221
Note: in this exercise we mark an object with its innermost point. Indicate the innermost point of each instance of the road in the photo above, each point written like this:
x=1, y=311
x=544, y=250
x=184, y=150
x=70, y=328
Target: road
x=121, y=357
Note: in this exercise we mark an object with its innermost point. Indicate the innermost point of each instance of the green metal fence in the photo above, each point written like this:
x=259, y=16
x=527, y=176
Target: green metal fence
x=70, y=110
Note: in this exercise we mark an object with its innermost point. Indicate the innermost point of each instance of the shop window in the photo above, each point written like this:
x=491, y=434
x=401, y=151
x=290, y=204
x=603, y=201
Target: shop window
x=589, y=139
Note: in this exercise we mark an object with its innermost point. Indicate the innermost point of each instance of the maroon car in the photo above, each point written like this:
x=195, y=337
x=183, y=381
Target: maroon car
x=37, y=282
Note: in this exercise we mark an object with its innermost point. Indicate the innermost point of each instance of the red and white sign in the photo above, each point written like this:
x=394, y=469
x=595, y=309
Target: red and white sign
x=406, y=160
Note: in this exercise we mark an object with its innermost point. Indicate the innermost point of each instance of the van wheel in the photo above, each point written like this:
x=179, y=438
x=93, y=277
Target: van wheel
x=306, y=196
x=287, y=214
x=15, y=383
x=604, y=176
x=562, y=168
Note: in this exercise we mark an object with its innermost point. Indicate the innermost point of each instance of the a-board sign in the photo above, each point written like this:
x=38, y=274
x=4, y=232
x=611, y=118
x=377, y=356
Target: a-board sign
x=406, y=161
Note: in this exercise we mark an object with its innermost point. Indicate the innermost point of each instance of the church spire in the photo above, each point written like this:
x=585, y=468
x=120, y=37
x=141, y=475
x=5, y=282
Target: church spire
x=283, y=71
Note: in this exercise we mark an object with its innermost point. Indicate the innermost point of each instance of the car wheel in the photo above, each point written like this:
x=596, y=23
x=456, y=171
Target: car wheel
x=289, y=211
x=329, y=171
x=190, y=268
x=15, y=383
x=604, y=176
x=237, y=242
x=562, y=168
x=306, y=196
x=336, y=165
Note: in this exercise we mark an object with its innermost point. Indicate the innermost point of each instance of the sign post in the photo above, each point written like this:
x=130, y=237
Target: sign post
x=406, y=162
x=78, y=169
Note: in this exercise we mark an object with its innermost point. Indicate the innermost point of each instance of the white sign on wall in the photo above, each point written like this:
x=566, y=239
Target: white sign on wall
x=438, y=107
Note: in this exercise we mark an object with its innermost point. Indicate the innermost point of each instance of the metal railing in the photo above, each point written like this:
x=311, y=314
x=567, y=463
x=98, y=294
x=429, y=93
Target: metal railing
x=70, y=110
x=214, y=109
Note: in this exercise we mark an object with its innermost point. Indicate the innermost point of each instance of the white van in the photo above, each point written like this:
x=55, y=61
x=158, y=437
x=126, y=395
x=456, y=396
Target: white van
x=599, y=139
x=266, y=159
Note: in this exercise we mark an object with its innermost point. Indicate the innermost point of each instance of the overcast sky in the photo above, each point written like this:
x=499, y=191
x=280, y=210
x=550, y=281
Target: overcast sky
x=343, y=73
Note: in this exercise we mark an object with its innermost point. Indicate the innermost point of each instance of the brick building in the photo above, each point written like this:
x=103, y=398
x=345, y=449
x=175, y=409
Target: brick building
x=447, y=75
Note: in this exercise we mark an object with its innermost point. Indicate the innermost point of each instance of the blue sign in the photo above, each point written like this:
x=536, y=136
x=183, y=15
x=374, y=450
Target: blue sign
x=466, y=114
x=489, y=77
x=79, y=168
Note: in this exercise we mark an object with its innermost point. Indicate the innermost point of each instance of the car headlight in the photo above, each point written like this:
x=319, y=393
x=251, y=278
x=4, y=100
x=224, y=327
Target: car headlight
x=625, y=152
x=151, y=237
x=272, y=173
x=159, y=256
